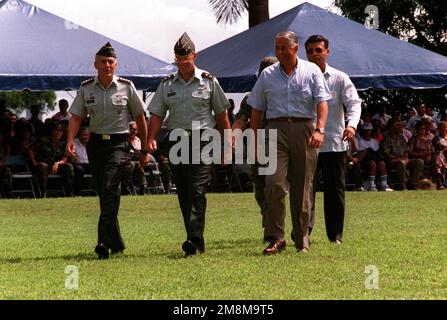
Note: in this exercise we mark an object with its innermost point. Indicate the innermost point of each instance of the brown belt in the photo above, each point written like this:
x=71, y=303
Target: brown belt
x=290, y=119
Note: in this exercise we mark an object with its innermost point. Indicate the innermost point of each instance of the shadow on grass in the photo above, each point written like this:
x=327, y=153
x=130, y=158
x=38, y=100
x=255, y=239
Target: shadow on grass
x=75, y=257
x=235, y=243
x=248, y=245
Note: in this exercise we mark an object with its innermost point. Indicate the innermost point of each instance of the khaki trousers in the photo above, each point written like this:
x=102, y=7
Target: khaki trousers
x=296, y=165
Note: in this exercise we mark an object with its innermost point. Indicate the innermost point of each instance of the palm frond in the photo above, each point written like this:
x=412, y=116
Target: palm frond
x=228, y=11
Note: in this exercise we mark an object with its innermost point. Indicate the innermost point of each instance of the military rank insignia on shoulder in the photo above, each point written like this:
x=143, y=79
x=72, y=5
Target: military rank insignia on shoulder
x=83, y=83
x=208, y=75
x=171, y=76
x=124, y=80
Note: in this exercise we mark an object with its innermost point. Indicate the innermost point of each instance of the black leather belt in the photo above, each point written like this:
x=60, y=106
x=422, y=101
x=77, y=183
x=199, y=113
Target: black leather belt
x=113, y=136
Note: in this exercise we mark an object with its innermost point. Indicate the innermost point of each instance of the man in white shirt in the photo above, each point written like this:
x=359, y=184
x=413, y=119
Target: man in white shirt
x=332, y=155
x=421, y=114
x=80, y=161
x=372, y=160
x=382, y=117
x=134, y=170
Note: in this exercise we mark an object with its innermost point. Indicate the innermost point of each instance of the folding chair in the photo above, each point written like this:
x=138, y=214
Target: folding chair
x=56, y=185
x=221, y=176
x=154, y=181
x=22, y=177
x=87, y=185
x=240, y=180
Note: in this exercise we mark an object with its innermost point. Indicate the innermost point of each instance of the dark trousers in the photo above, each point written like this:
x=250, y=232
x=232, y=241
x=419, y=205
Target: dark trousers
x=108, y=159
x=333, y=167
x=192, y=182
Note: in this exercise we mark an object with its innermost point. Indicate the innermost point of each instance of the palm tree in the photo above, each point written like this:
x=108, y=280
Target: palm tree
x=229, y=11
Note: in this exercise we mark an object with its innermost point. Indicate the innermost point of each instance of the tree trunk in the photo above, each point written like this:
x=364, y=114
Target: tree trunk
x=258, y=12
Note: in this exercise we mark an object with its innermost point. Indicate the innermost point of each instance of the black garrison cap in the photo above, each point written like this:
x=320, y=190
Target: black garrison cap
x=107, y=51
x=184, y=45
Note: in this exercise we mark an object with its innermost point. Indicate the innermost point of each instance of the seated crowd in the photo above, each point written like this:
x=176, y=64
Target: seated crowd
x=43, y=146
x=388, y=153
x=407, y=154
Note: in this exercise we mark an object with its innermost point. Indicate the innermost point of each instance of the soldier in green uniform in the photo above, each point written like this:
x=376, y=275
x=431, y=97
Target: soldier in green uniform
x=190, y=95
x=48, y=155
x=110, y=102
x=242, y=121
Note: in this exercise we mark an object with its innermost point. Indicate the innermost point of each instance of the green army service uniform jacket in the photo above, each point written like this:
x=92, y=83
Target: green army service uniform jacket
x=109, y=109
x=195, y=100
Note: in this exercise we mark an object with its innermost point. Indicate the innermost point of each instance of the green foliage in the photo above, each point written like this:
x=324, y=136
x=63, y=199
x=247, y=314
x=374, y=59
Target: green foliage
x=403, y=234
x=230, y=11
x=421, y=22
x=21, y=100
x=399, y=101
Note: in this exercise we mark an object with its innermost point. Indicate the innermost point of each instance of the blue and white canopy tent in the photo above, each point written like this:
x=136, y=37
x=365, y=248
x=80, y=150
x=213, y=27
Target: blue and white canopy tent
x=41, y=51
x=371, y=58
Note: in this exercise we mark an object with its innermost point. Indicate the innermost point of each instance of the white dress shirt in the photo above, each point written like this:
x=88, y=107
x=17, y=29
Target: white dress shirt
x=343, y=93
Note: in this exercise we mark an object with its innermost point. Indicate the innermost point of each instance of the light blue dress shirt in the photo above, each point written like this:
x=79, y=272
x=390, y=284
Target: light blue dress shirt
x=297, y=95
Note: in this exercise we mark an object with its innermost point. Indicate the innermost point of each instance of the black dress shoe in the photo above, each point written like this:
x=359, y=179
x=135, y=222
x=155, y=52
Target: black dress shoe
x=102, y=251
x=118, y=249
x=201, y=249
x=189, y=247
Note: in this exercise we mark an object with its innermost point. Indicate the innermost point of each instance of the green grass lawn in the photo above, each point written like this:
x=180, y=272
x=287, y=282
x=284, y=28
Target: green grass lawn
x=403, y=234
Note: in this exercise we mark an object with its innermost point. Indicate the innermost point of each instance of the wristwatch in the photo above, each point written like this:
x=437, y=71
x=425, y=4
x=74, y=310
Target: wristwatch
x=320, y=130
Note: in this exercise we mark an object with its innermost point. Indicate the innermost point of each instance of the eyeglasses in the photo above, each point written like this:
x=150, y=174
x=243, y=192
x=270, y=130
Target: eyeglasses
x=311, y=50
